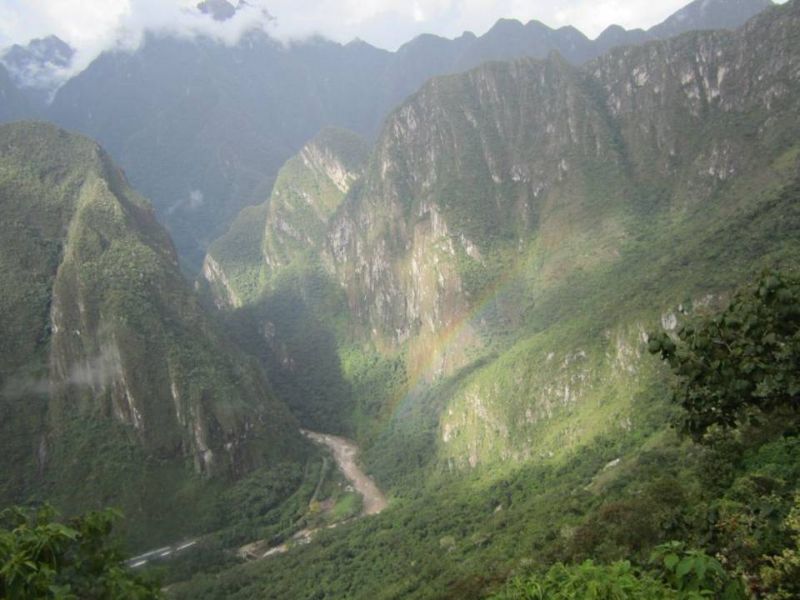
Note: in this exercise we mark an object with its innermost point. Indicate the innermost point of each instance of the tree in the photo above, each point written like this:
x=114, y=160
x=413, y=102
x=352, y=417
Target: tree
x=740, y=362
x=41, y=557
x=782, y=574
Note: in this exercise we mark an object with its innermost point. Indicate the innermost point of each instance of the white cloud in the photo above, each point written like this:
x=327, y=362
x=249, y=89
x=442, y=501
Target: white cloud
x=92, y=26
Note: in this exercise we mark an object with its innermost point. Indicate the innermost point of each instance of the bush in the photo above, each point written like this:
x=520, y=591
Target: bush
x=588, y=581
x=43, y=558
x=741, y=362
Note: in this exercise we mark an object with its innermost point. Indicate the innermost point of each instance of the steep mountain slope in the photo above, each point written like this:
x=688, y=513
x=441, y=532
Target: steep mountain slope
x=116, y=387
x=202, y=128
x=291, y=225
x=498, y=207
x=270, y=261
x=517, y=232
x=529, y=149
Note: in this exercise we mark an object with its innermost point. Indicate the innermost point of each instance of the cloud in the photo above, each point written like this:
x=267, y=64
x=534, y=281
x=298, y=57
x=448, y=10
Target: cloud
x=91, y=26
x=195, y=200
x=95, y=373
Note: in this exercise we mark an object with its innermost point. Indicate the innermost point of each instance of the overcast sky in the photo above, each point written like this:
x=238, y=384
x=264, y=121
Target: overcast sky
x=93, y=25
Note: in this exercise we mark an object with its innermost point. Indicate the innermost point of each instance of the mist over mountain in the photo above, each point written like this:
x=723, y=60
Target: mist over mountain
x=39, y=68
x=14, y=104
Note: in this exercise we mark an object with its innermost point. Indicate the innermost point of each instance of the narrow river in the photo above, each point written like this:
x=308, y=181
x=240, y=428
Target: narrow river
x=345, y=453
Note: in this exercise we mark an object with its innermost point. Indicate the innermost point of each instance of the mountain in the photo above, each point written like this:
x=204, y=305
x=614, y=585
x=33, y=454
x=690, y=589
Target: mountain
x=505, y=200
x=269, y=265
x=498, y=206
x=202, y=128
x=40, y=67
x=516, y=233
x=291, y=224
x=13, y=103
x=116, y=387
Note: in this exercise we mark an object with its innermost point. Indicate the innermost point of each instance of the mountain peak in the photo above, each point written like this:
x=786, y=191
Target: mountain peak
x=505, y=27
x=40, y=66
x=710, y=14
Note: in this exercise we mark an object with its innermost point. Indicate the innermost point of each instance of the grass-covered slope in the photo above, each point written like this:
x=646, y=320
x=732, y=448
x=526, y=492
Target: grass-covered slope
x=117, y=388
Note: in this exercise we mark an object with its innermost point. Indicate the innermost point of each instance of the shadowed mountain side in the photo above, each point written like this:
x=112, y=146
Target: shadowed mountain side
x=109, y=367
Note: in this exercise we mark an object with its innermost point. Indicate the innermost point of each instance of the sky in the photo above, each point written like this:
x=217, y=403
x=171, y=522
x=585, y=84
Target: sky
x=92, y=26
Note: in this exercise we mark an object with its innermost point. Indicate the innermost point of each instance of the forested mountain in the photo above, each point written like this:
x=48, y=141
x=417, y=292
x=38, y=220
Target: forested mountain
x=461, y=255
x=202, y=129
x=492, y=280
x=110, y=370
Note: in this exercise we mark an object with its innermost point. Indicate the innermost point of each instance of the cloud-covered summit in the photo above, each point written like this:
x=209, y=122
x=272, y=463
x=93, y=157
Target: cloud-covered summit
x=93, y=25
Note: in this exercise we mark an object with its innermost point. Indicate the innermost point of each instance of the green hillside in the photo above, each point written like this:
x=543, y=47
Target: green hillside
x=518, y=231
x=117, y=387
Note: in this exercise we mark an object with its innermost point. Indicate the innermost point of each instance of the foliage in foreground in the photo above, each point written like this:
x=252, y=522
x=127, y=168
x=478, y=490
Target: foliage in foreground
x=590, y=581
x=679, y=574
x=782, y=573
x=41, y=557
x=741, y=362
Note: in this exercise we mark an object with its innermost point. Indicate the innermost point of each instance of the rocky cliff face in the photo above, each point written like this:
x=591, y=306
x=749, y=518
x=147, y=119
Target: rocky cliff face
x=101, y=331
x=290, y=227
x=308, y=191
x=518, y=226
x=559, y=206
x=470, y=167
x=547, y=158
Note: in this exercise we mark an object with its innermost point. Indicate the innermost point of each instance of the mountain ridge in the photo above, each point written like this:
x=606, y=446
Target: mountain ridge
x=105, y=346
x=166, y=112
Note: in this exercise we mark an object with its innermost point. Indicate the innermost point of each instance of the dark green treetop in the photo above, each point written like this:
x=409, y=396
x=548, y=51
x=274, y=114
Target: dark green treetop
x=740, y=363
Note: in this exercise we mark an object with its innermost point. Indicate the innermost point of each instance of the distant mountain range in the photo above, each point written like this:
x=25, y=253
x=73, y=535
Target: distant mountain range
x=202, y=128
